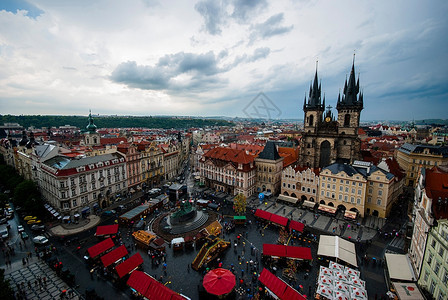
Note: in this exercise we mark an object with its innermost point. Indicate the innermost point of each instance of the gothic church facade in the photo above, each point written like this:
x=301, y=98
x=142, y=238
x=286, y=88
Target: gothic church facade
x=327, y=139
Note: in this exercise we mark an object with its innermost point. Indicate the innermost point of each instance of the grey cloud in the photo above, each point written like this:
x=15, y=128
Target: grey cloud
x=214, y=15
x=271, y=27
x=203, y=70
x=260, y=53
x=201, y=67
x=243, y=8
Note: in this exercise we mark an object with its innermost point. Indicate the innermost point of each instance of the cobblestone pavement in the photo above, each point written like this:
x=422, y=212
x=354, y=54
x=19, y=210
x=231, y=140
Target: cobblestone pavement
x=38, y=281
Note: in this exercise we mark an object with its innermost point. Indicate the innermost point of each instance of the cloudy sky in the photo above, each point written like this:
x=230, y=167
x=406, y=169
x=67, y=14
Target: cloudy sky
x=211, y=57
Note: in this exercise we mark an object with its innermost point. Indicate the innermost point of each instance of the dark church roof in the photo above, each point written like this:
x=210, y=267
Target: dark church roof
x=350, y=93
x=269, y=152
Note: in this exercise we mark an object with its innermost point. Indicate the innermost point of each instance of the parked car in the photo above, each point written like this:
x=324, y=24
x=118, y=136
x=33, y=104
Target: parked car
x=27, y=218
x=37, y=227
x=33, y=222
x=40, y=240
x=24, y=235
x=4, y=233
x=108, y=213
x=20, y=228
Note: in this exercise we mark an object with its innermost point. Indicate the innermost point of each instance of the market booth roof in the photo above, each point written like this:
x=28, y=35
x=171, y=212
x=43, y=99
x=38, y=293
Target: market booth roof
x=334, y=246
x=399, y=267
x=129, y=265
x=151, y=288
x=282, y=290
x=219, y=281
x=101, y=247
x=327, y=208
x=263, y=214
x=107, y=229
x=282, y=221
x=114, y=255
x=287, y=251
x=297, y=226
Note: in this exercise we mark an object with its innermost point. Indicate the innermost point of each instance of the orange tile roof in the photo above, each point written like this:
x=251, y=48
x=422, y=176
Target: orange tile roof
x=290, y=155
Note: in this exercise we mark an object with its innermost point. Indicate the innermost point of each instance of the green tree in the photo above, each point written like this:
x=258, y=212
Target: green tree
x=28, y=197
x=5, y=288
x=239, y=204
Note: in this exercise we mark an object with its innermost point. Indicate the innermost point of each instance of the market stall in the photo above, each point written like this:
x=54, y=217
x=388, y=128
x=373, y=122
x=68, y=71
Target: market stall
x=219, y=281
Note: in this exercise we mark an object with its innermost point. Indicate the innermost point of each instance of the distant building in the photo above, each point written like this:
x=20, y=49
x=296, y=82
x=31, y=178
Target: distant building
x=412, y=158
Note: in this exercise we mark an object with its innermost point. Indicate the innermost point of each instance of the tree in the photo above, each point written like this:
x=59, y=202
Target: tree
x=239, y=204
x=28, y=197
x=5, y=288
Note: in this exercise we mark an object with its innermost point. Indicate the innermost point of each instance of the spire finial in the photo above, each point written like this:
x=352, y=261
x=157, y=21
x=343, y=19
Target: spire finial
x=354, y=53
x=317, y=63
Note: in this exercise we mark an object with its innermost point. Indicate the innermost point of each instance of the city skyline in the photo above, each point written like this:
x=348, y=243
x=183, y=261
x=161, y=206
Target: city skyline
x=212, y=58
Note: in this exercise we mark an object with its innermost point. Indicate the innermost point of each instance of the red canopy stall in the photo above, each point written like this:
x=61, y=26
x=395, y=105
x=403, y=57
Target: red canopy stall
x=287, y=251
x=282, y=221
x=150, y=288
x=100, y=248
x=114, y=255
x=129, y=265
x=106, y=230
x=263, y=214
x=219, y=281
x=297, y=226
x=277, y=286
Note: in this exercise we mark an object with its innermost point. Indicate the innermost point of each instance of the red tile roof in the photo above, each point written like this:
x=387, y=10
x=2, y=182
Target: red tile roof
x=436, y=186
x=290, y=155
x=230, y=155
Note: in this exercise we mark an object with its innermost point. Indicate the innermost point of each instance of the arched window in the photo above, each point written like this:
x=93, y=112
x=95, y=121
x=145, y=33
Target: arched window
x=347, y=120
x=311, y=120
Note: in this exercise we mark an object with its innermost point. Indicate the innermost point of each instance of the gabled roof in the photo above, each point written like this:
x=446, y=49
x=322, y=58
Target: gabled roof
x=269, y=152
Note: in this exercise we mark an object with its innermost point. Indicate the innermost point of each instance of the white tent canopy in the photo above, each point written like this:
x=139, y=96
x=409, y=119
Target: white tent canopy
x=334, y=246
x=399, y=267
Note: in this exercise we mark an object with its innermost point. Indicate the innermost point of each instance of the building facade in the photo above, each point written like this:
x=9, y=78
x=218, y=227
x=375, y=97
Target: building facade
x=413, y=157
x=228, y=170
x=434, y=273
x=360, y=187
x=78, y=185
x=326, y=140
x=301, y=183
x=269, y=166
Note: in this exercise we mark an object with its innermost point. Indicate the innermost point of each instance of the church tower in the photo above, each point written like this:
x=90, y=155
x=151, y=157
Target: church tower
x=326, y=140
x=350, y=106
x=349, y=109
x=313, y=108
x=91, y=137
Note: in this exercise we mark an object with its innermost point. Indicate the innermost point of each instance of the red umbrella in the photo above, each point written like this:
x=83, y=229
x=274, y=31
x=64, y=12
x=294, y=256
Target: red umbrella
x=219, y=281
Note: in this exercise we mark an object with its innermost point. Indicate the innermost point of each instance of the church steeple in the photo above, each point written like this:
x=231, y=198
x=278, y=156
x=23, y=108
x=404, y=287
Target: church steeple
x=315, y=94
x=351, y=90
x=91, y=127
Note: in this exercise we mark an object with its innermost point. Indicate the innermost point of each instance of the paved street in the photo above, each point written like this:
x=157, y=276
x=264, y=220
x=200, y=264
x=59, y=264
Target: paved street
x=368, y=234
